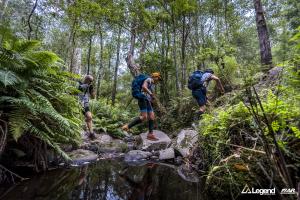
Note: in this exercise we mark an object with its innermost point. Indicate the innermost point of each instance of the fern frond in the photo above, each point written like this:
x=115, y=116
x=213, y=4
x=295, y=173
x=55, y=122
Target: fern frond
x=43, y=58
x=8, y=78
x=22, y=46
x=44, y=137
x=19, y=103
x=17, y=124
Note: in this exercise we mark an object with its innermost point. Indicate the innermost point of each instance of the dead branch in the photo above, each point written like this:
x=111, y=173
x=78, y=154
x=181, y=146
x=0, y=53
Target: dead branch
x=29, y=18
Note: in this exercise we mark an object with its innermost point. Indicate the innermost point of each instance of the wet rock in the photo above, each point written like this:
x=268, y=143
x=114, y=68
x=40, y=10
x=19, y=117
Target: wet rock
x=137, y=155
x=178, y=160
x=198, y=160
x=186, y=139
x=104, y=144
x=66, y=147
x=166, y=154
x=271, y=78
x=104, y=139
x=148, y=145
x=80, y=156
x=187, y=174
x=129, y=138
x=154, y=157
x=131, y=146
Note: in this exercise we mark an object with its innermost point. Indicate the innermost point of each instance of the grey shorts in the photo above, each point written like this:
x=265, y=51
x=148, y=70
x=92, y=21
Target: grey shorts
x=85, y=104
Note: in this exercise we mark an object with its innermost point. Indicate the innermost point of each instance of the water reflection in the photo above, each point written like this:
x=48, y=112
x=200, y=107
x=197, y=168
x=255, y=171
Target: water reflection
x=143, y=189
x=110, y=180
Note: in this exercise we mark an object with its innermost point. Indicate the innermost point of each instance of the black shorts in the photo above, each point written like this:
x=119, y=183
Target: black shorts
x=145, y=105
x=85, y=110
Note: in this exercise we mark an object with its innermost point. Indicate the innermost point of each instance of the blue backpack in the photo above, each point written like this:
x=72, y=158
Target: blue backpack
x=136, y=86
x=195, y=80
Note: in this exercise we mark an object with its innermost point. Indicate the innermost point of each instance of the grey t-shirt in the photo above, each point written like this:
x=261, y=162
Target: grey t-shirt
x=86, y=91
x=206, y=78
x=150, y=82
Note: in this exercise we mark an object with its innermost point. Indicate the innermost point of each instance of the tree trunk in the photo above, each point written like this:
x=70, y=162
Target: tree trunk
x=29, y=18
x=3, y=8
x=77, y=61
x=143, y=46
x=133, y=67
x=165, y=42
x=100, y=66
x=263, y=35
x=183, y=53
x=72, y=45
x=89, y=54
x=114, y=89
x=175, y=58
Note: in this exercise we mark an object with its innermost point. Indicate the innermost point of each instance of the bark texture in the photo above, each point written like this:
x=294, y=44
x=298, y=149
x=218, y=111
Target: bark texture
x=263, y=35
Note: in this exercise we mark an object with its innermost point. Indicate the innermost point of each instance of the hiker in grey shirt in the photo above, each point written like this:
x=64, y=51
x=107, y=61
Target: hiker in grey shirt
x=87, y=91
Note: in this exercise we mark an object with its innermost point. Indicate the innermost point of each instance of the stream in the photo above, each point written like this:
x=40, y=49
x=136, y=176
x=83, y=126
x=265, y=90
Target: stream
x=107, y=179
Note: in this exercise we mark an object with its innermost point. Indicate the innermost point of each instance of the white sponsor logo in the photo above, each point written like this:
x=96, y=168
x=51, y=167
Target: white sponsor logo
x=288, y=191
x=247, y=190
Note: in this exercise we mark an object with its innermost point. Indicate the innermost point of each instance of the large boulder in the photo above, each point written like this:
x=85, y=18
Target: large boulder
x=186, y=139
x=81, y=156
x=137, y=155
x=271, y=78
x=188, y=174
x=149, y=145
x=104, y=144
x=166, y=154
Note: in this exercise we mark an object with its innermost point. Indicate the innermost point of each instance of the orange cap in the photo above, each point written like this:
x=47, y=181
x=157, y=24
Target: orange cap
x=156, y=75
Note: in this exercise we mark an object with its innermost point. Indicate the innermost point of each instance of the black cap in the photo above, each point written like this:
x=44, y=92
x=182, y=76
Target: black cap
x=209, y=71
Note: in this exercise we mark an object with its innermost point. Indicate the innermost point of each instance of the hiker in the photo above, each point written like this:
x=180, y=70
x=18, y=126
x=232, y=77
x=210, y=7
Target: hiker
x=87, y=91
x=142, y=90
x=198, y=83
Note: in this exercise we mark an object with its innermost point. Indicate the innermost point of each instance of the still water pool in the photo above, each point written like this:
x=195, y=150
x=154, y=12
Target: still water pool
x=110, y=180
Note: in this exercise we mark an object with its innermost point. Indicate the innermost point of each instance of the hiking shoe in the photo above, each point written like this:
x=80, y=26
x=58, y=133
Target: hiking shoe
x=152, y=137
x=92, y=136
x=198, y=116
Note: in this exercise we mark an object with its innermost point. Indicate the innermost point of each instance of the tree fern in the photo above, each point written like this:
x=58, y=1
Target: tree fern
x=8, y=78
x=23, y=46
x=36, y=96
x=17, y=124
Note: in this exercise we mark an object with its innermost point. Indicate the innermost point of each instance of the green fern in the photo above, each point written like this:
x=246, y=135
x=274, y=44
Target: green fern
x=8, y=78
x=35, y=94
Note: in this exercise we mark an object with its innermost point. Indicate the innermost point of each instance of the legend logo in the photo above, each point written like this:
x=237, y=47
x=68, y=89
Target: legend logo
x=247, y=190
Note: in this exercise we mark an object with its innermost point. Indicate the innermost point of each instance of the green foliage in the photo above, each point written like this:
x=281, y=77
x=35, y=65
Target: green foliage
x=234, y=125
x=108, y=118
x=34, y=95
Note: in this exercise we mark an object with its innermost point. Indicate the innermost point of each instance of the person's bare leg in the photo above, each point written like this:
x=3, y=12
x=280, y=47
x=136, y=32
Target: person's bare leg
x=150, y=135
x=140, y=119
x=202, y=109
x=89, y=123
